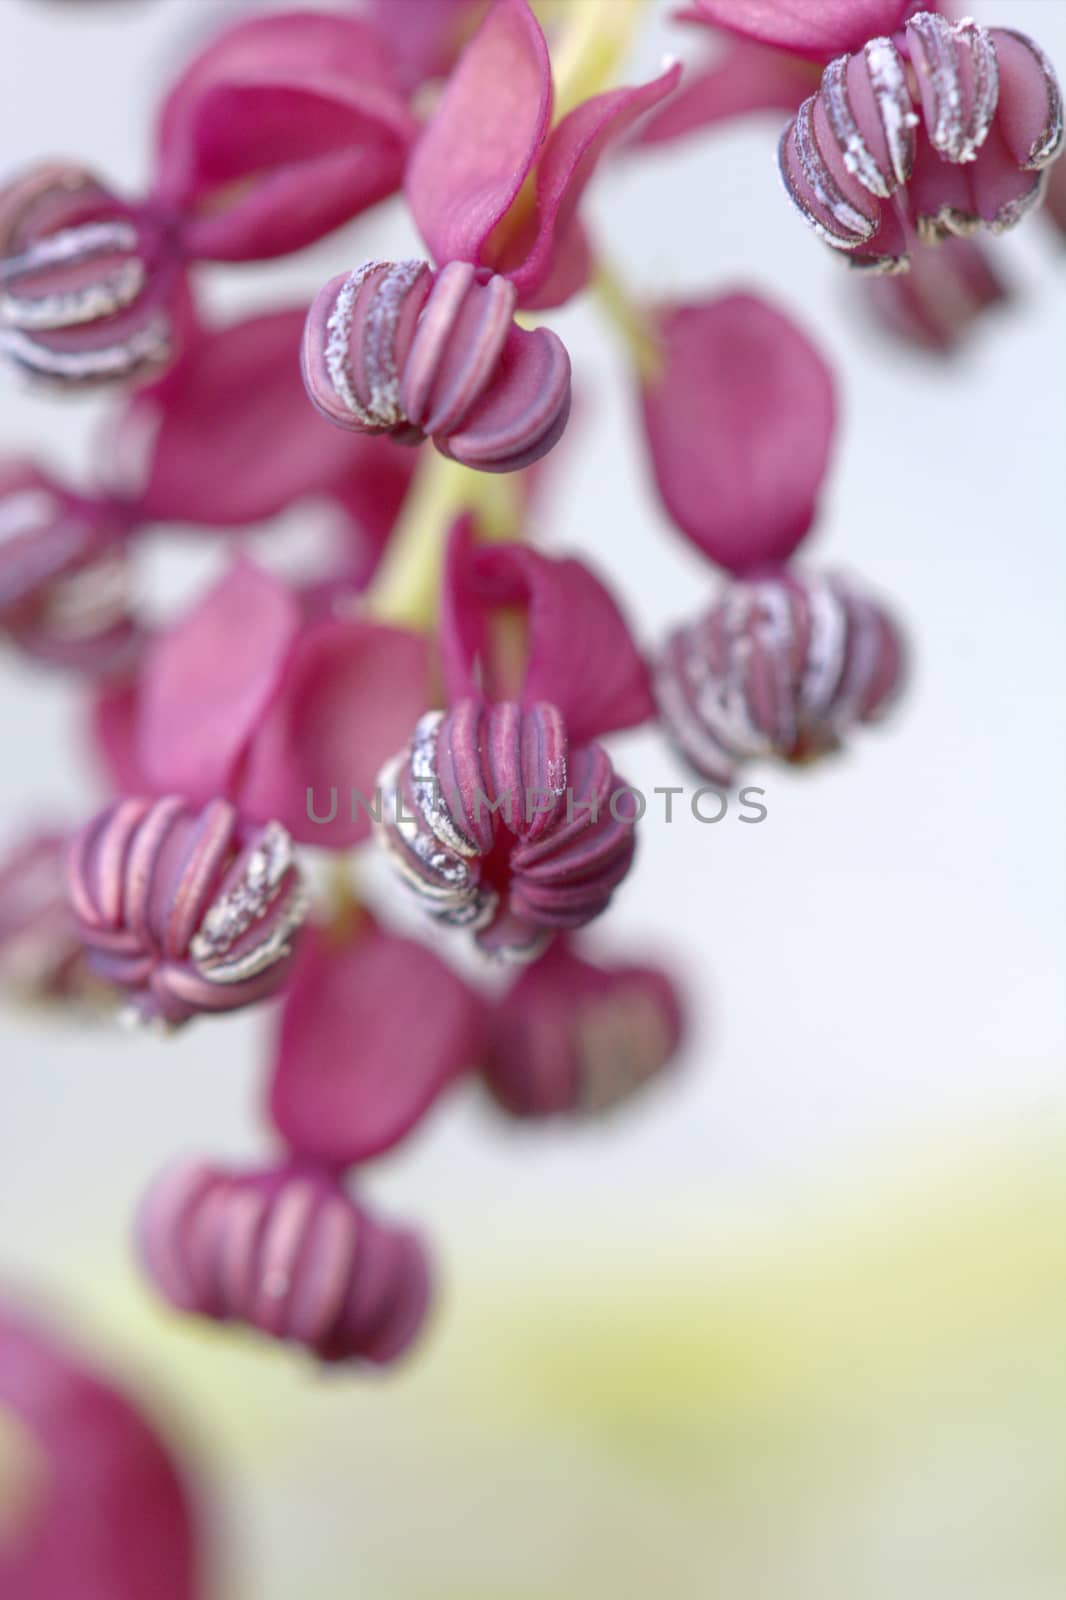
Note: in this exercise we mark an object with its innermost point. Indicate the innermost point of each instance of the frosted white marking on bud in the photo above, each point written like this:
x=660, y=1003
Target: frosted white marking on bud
x=826, y=650
x=856, y=153
x=853, y=226
x=72, y=247
x=956, y=134
x=379, y=354
x=427, y=791
x=147, y=346
x=230, y=916
x=888, y=79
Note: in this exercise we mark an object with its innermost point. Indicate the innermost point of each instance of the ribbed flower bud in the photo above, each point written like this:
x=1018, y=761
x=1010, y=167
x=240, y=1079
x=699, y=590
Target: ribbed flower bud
x=570, y=1037
x=64, y=577
x=289, y=1253
x=86, y=282
x=931, y=133
x=780, y=667
x=498, y=826
x=185, y=910
x=397, y=348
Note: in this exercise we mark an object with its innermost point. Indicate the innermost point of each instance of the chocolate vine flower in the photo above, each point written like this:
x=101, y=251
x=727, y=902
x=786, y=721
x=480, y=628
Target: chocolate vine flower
x=65, y=584
x=572, y=1037
x=185, y=911
x=946, y=128
x=781, y=667
x=399, y=349
x=288, y=1252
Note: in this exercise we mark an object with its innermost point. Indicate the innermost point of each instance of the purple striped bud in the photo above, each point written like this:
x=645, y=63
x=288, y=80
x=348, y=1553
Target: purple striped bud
x=397, y=348
x=944, y=129
x=86, y=282
x=289, y=1253
x=780, y=667
x=64, y=577
x=498, y=826
x=185, y=910
x=571, y=1037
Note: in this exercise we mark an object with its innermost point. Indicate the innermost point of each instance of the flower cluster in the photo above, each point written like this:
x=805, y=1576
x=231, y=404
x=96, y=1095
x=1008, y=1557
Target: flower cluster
x=440, y=688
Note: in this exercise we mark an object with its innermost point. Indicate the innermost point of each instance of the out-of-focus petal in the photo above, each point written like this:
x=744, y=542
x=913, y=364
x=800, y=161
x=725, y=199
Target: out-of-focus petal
x=820, y=29
x=346, y=700
x=949, y=287
x=283, y=128
x=425, y=36
x=353, y=1069
x=577, y=652
x=739, y=423
x=233, y=439
x=104, y=1509
x=567, y=163
x=744, y=78
x=209, y=679
x=113, y=728
x=481, y=142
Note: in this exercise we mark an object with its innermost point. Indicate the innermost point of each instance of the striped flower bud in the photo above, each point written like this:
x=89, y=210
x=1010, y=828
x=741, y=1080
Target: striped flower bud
x=185, y=910
x=941, y=130
x=498, y=826
x=780, y=667
x=571, y=1037
x=397, y=348
x=65, y=591
x=289, y=1253
x=86, y=282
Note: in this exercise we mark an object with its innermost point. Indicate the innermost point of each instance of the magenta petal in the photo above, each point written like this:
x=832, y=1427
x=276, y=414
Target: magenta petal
x=108, y=1515
x=281, y=129
x=114, y=735
x=353, y=1071
x=349, y=695
x=580, y=655
x=744, y=78
x=820, y=29
x=209, y=679
x=739, y=424
x=565, y=167
x=233, y=440
x=482, y=140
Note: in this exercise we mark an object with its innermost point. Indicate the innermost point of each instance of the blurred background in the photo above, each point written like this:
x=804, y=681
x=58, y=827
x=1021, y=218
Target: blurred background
x=794, y=1323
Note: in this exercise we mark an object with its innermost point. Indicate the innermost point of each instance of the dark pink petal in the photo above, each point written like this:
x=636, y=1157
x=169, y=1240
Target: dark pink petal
x=425, y=36
x=345, y=701
x=108, y=1514
x=578, y=652
x=743, y=78
x=820, y=29
x=567, y=163
x=739, y=423
x=283, y=128
x=484, y=137
x=209, y=680
x=113, y=727
x=354, y=1071
x=233, y=439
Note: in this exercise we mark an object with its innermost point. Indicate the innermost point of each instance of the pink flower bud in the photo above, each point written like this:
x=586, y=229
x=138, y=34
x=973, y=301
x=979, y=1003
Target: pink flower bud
x=498, y=826
x=570, y=1036
x=185, y=910
x=288, y=1252
x=397, y=348
x=64, y=576
x=41, y=956
x=940, y=130
x=87, y=283
x=783, y=666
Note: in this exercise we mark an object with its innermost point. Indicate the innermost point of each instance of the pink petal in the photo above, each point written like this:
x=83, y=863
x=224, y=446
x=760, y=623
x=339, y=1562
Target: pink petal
x=110, y=1515
x=233, y=439
x=950, y=286
x=347, y=701
x=425, y=35
x=114, y=735
x=281, y=129
x=481, y=142
x=743, y=78
x=209, y=680
x=820, y=29
x=739, y=425
x=353, y=1070
x=579, y=654
x=565, y=167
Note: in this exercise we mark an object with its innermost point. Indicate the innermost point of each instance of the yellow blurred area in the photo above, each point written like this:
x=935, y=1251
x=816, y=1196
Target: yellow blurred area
x=867, y=1399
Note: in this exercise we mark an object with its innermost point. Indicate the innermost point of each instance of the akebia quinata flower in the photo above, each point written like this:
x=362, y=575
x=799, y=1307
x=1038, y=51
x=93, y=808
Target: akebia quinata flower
x=784, y=667
x=289, y=1253
x=941, y=129
x=575, y=1038
x=399, y=349
x=185, y=911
